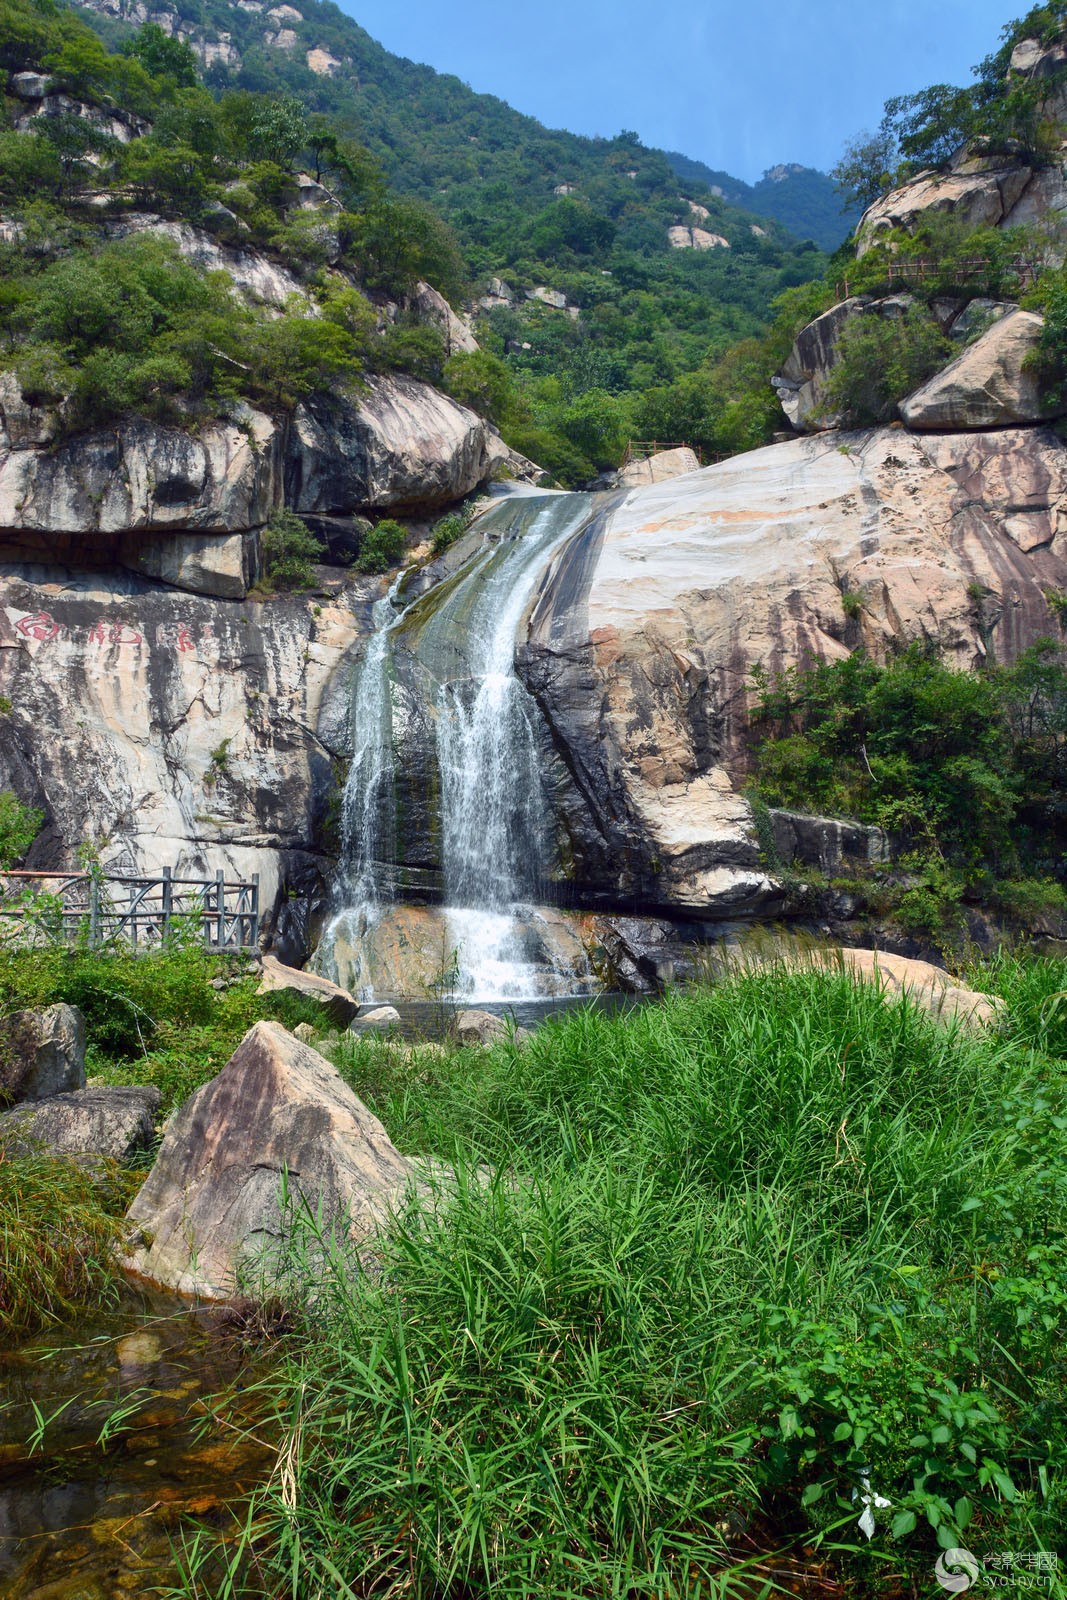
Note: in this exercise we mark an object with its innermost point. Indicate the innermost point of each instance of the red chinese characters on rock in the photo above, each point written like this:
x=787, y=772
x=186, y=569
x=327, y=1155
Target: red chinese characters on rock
x=104, y=632
x=41, y=626
x=184, y=639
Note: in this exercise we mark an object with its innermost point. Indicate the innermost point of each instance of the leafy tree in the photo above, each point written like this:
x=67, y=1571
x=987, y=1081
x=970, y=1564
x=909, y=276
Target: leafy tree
x=865, y=169
x=162, y=55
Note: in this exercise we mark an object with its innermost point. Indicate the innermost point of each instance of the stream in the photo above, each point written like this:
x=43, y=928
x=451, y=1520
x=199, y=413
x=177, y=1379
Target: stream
x=132, y=1462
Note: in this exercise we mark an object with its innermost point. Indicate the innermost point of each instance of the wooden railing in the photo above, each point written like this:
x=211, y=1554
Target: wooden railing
x=641, y=449
x=145, y=912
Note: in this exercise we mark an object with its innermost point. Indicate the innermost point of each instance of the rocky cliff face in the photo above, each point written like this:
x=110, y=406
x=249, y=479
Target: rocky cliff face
x=174, y=730
x=651, y=619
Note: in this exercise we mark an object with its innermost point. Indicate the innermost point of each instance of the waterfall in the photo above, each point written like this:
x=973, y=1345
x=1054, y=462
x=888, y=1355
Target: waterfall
x=495, y=822
x=368, y=804
x=455, y=648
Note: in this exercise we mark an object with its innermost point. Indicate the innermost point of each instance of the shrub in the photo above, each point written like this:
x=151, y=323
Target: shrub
x=382, y=547
x=289, y=551
x=19, y=826
x=880, y=360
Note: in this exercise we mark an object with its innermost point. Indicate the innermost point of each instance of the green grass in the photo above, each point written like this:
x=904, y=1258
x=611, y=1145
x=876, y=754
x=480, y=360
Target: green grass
x=704, y=1267
x=58, y=1230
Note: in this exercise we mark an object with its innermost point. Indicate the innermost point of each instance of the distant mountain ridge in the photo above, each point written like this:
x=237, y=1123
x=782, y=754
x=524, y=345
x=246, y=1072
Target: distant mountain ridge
x=438, y=138
x=802, y=199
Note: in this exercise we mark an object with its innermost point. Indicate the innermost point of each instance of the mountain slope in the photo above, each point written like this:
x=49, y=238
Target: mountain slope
x=800, y=198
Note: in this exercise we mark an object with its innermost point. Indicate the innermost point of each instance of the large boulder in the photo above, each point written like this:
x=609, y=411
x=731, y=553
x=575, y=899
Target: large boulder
x=155, y=499
x=990, y=385
x=640, y=646
x=42, y=1053
x=926, y=986
x=103, y=1121
x=276, y=1132
x=802, y=383
x=338, y=1006
x=396, y=444
x=659, y=467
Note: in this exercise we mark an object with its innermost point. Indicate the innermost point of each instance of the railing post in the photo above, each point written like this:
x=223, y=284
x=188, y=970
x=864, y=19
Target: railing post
x=168, y=903
x=220, y=909
x=94, y=911
x=254, y=929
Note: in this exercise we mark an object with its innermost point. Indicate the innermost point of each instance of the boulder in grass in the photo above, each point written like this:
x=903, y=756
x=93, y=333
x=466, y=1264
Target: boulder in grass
x=375, y=1019
x=479, y=1027
x=277, y=1121
x=338, y=1006
x=42, y=1053
x=105, y=1121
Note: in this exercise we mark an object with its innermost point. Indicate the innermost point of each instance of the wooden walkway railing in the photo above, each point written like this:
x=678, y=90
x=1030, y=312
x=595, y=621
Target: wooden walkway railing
x=145, y=912
x=641, y=449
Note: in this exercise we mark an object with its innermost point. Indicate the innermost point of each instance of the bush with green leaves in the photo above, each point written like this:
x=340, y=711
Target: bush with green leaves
x=289, y=550
x=382, y=546
x=19, y=826
x=967, y=765
x=880, y=359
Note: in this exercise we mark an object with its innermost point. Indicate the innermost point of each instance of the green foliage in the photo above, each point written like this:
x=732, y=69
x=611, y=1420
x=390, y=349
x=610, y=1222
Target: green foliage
x=957, y=765
x=864, y=170
x=382, y=547
x=449, y=528
x=289, y=551
x=880, y=360
x=19, y=826
x=757, y=1243
x=162, y=55
x=60, y=1229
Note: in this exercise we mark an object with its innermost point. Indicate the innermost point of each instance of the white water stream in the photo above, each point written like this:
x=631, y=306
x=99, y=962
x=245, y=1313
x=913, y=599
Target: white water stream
x=495, y=824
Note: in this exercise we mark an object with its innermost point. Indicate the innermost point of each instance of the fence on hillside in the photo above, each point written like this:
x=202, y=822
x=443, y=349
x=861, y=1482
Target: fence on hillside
x=143, y=911
x=641, y=449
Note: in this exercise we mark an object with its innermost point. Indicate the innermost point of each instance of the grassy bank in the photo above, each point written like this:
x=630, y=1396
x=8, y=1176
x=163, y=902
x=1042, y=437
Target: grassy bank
x=713, y=1271
x=172, y=1019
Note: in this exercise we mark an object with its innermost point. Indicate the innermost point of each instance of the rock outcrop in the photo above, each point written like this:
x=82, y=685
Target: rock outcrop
x=991, y=385
x=120, y=496
x=276, y=1133
x=659, y=467
x=100, y=1123
x=42, y=1053
x=174, y=730
x=641, y=642
x=398, y=444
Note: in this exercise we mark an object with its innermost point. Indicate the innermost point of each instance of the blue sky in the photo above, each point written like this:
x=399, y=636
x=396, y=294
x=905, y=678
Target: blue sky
x=740, y=84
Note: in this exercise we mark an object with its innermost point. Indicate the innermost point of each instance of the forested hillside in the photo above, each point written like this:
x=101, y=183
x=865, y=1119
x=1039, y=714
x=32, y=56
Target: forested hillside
x=803, y=200
x=644, y=278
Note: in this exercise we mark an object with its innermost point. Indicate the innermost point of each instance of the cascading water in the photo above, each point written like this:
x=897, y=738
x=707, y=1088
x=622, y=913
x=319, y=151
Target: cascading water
x=368, y=806
x=494, y=814
x=455, y=648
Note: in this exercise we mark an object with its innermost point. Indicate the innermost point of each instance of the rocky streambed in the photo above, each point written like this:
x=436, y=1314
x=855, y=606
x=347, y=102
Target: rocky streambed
x=109, y=1455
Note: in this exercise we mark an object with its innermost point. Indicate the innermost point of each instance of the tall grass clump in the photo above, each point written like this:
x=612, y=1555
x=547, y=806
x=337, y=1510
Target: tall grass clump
x=59, y=1232
x=713, y=1278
